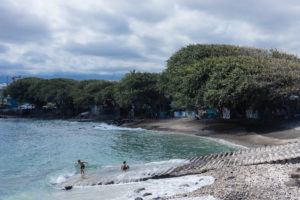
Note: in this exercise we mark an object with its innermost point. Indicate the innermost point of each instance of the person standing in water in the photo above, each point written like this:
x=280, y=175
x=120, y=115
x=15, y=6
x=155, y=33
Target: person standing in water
x=82, y=166
x=124, y=166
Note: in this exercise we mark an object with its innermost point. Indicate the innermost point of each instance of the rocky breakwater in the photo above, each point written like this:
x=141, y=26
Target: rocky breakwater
x=288, y=153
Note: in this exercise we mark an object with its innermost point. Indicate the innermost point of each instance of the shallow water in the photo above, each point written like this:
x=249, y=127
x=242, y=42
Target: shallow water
x=155, y=187
x=37, y=154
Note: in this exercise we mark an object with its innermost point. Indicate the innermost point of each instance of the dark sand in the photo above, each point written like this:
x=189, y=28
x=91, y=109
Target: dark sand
x=245, y=133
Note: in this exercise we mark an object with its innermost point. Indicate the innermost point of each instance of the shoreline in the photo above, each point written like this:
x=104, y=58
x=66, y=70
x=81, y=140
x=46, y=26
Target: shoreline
x=240, y=133
x=245, y=135
x=245, y=181
x=258, y=181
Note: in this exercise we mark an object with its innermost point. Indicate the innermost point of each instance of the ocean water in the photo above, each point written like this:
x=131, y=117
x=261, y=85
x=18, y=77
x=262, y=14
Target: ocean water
x=38, y=156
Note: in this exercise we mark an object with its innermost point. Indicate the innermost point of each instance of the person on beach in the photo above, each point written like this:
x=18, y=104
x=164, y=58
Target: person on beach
x=124, y=166
x=82, y=166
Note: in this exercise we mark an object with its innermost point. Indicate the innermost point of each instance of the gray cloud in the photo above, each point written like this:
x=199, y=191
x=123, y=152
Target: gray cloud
x=153, y=45
x=35, y=57
x=148, y=11
x=9, y=68
x=19, y=26
x=112, y=50
x=114, y=37
x=3, y=49
x=269, y=16
x=98, y=20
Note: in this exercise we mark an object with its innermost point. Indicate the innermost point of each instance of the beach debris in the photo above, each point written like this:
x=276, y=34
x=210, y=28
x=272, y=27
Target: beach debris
x=295, y=173
x=68, y=187
x=109, y=183
x=184, y=185
x=139, y=190
x=229, y=178
x=147, y=194
x=295, y=178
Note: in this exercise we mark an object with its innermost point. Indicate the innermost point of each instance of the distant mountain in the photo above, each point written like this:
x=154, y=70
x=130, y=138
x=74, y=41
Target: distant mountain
x=83, y=76
x=113, y=77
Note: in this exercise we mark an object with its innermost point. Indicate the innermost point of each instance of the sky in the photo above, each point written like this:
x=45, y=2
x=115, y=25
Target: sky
x=84, y=39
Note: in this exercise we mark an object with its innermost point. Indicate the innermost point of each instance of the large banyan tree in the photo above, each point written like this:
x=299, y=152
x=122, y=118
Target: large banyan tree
x=233, y=77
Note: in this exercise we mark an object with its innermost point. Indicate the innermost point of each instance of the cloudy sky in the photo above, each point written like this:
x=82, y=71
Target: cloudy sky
x=98, y=38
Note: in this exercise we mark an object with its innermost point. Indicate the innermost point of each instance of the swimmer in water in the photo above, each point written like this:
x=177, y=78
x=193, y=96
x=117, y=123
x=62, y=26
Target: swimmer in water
x=124, y=166
x=82, y=166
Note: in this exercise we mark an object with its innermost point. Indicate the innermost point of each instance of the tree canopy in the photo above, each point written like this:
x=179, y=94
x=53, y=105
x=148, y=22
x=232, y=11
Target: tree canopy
x=93, y=92
x=196, y=77
x=140, y=89
x=216, y=76
x=238, y=82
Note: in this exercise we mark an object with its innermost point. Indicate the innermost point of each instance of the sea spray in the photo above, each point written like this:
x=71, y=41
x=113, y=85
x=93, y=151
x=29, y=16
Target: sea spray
x=60, y=178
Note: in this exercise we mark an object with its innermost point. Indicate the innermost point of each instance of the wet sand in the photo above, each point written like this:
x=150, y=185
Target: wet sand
x=248, y=134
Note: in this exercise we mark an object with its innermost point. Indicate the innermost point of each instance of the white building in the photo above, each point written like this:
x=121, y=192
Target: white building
x=3, y=85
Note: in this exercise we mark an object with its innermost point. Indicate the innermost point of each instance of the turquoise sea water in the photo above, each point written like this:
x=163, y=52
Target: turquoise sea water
x=36, y=154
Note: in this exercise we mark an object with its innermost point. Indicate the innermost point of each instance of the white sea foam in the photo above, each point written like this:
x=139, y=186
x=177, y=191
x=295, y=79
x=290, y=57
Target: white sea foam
x=114, y=173
x=228, y=143
x=155, y=188
x=104, y=126
x=57, y=179
x=61, y=179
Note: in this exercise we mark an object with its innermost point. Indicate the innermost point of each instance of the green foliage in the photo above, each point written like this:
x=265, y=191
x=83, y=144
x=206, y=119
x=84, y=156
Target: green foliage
x=59, y=91
x=65, y=93
x=40, y=91
x=238, y=83
x=192, y=53
x=25, y=90
x=93, y=92
x=216, y=76
x=282, y=55
x=197, y=76
x=139, y=89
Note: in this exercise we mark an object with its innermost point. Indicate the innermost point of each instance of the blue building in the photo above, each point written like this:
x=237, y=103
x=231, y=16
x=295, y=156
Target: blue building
x=8, y=103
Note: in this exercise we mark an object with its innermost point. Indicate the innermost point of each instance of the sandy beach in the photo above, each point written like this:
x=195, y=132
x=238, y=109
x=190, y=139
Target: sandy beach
x=260, y=181
x=248, y=134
